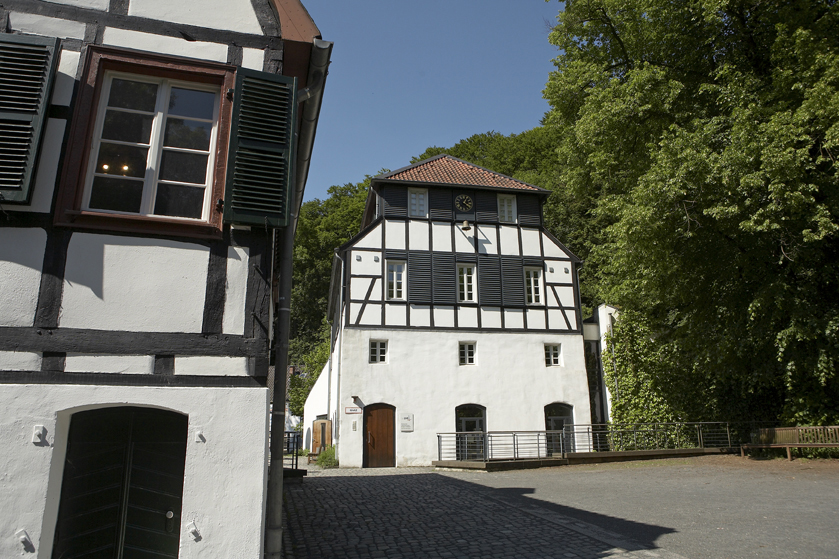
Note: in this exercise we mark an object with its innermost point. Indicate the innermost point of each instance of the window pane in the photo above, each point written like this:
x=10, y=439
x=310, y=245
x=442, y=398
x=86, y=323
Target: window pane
x=128, y=161
x=127, y=94
x=191, y=103
x=179, y=201
x=117, y=194
x=183, y=167
x=127, y=127
x=190, y=134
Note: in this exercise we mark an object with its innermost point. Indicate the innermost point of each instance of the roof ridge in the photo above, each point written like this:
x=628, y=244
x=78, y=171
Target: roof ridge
x=448, y=169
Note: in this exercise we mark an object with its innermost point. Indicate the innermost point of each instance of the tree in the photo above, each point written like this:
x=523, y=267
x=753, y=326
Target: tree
x=705, y=133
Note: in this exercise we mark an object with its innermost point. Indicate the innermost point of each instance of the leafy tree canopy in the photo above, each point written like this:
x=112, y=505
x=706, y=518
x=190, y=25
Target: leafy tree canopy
x=706, y=134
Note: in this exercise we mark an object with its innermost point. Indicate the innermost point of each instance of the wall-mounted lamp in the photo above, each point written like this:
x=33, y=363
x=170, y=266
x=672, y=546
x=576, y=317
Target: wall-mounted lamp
x=375, y=259
x=465, y=226
x=358, y=258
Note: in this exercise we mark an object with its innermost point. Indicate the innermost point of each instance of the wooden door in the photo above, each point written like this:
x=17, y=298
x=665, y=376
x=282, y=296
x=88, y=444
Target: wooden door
x=123, y=485
x=380, y=439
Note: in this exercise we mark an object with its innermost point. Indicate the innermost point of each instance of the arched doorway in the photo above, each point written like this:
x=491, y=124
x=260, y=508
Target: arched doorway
x=470, y=424
x=123, y=484
x=559, y=417
x=380, y=436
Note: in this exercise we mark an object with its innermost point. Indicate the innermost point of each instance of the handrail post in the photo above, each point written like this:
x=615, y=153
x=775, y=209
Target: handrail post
x=728, y=432
x=486, y=446
x=439, y=448
x=515, y=447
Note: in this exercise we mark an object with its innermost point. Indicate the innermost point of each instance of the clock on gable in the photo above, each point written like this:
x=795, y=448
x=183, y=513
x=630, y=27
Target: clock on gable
x=463, y=203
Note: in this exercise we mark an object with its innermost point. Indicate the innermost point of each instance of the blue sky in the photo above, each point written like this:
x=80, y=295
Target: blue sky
x=409, y=75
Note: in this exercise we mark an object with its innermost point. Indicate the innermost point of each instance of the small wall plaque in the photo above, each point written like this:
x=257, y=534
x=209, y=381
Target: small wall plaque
x=352, y=409
x=406, y=422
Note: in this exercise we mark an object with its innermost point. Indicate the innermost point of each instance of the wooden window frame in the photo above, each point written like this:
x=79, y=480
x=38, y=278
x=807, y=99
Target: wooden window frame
x=467, y=353
x=512, y=199
x=419, y=192
x=378, y=352
x=402, y=287
x=553, y=355
x=467, y=292
x=533, y=291
x=100, y=60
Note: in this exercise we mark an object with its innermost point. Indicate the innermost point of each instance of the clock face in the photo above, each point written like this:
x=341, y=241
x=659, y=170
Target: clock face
x=463, y=203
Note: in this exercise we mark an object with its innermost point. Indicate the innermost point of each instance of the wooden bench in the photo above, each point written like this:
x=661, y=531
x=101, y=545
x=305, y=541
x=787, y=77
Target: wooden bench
x=793, y=437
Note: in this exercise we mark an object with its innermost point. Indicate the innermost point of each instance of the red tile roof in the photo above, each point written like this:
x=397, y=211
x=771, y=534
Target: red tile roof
x=445, y=169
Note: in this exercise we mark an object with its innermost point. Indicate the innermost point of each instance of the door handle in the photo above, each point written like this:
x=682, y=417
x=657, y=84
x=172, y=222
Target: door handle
x=170, y=521
x=369, y=437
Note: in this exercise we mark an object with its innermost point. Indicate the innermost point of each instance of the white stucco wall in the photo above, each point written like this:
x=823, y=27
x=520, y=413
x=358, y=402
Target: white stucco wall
x=21, y=260
x=92, y=4
x=422, y=377
x=20, y=361
x=316, y=404
x=237, y=291
x=168, y=45
x=232, y=15
x=225, y=475
x=134, y=284
x=35, y=24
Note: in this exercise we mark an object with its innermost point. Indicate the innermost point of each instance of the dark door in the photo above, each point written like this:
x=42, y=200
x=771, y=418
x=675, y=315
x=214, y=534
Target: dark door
x=123, y=484
x=471, y=426
x=379, y=447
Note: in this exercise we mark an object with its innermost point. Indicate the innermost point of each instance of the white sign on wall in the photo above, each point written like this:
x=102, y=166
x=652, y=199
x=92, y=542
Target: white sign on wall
x=352, y=409
x=406, y=422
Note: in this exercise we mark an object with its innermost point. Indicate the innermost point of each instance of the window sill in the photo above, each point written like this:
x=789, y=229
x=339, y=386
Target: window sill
x=137, y=224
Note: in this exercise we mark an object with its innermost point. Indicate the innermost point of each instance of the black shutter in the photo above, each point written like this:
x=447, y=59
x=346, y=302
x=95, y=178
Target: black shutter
x=27, y=66
x=486, y=206
x=419, y=277
x=260, y=164
x=440, y=204
x=512, y=275
x=445, y=279
x=396, y=200
x=489, y=281
x=529, y=209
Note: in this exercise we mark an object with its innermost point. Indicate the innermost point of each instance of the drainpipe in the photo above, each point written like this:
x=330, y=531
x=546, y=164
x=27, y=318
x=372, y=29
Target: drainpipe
x=312, y=98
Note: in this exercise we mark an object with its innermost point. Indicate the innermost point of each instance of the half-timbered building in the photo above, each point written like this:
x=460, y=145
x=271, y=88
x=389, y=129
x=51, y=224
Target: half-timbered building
x=151, y=152
x=453, y=310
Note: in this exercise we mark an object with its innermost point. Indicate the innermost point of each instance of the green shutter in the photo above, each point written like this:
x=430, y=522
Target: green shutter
x=27, y=67
x=262, y=147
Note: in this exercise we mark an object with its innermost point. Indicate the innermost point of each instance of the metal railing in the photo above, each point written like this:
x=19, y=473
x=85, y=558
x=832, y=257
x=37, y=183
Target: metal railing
x=291, y=446
x=530, y=445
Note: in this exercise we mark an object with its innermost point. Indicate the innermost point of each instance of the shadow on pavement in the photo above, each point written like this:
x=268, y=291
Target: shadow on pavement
x=434, y=516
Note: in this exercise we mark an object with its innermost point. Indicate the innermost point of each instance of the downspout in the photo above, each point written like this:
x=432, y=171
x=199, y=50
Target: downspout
x=312, y=98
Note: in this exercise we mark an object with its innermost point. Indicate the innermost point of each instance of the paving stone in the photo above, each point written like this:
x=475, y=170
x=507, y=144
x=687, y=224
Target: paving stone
x=417, y=513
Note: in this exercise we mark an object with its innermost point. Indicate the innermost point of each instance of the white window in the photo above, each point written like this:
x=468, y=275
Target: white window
x=466, y=282
x=533, y=286
x=417, y=206
x=378, y=351
x=552, y=355
x=506, y=208
x=153, y=147
x=396, y=280
x=466, y=353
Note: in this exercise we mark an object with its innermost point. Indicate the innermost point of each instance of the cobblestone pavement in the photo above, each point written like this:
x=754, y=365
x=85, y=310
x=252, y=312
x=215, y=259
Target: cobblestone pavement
x=717, y=507
x=417, y=513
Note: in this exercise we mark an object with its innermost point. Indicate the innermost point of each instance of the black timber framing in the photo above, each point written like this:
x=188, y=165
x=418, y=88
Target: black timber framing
x=100, y=19
x=109, y=342
x=122, y=379
x=52, y=278
x=53, y=361
x=267, y=17
x=216, y=286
